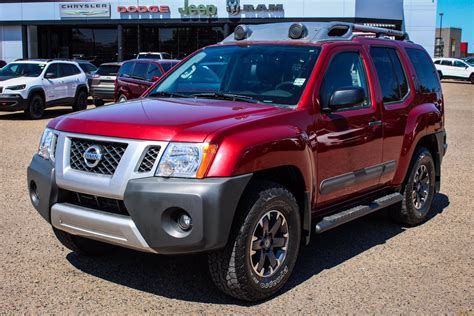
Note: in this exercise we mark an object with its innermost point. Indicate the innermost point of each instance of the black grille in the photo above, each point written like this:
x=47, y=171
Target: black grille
x=97, y=203
x=111, y=155
x=149, y=159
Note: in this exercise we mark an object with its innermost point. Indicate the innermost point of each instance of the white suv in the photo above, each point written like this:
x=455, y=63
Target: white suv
x=33, y=85
x=454, y=68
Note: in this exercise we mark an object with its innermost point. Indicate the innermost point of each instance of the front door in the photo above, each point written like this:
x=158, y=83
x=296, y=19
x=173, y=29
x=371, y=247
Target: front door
x=55, y=87
x=349, y=140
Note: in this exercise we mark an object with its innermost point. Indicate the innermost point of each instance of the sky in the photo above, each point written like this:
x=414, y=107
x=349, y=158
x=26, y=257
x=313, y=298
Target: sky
x=458, y=13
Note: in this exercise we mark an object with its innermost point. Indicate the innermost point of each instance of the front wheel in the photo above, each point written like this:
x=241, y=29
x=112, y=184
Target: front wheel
x=263, y=246
x=35, y=108
x=81, y=245
x=471, y=78
x=418, y=191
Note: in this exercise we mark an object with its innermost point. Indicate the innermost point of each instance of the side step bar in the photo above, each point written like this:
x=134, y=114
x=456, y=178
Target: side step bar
x=343, y=217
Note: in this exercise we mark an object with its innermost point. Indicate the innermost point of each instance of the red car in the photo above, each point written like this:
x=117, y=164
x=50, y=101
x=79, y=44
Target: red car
x=136, y=76
x=247, y=148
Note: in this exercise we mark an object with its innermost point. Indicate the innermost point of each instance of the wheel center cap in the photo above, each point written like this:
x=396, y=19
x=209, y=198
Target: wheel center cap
x=267, y=242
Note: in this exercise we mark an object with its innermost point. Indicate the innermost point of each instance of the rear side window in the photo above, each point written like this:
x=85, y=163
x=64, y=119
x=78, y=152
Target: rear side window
x=139, y=71
x=126, y=69
x=390, y=72
x=446, y=63
x=427, y=77
x=437, y=62
x=345, y=70
x=108, y=70
x=153, y=71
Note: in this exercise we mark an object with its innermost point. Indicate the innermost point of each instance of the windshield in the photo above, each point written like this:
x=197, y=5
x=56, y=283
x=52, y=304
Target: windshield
x=22, y=69
x=271, y=74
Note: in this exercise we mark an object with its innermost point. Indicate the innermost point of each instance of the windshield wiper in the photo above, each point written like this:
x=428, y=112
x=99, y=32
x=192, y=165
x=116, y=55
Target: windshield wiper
x=164, y=94
x=226, y=96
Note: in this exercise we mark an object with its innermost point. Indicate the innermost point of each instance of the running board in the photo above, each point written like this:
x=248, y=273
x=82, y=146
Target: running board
x=343, y=217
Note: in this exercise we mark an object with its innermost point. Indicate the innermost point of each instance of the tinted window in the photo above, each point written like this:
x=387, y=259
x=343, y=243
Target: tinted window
x=69, y=70
x=139, y=71
x=425, y=71
x=108, y=70
x=167, y=66
x=437, y=62
x=446, y=63
x=55, y=69
x=153, y=71
x=345, y=70
x=390, y=73
x=126, y=69
x=458, y=63
x=87, y=68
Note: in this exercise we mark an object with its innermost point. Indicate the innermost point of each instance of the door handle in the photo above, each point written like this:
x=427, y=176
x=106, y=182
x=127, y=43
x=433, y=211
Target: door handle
x=375, y=123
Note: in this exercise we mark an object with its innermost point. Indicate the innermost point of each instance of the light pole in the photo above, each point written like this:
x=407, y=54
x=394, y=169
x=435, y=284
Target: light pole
x=441, y=46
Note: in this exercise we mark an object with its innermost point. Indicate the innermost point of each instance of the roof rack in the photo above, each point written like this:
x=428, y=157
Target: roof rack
x=310, y=32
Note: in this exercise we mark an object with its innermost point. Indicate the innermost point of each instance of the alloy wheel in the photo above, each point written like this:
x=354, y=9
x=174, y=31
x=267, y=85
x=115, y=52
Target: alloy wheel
x=269, y=243
x=421, y=187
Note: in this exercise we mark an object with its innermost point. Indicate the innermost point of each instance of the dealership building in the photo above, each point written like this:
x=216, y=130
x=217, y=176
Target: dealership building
x=116, y=30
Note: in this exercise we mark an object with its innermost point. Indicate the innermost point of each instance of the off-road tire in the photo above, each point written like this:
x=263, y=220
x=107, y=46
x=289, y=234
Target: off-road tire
x=83, y=246
x=80, y=101
x=98, y=102
x=36, y=106
x=231, y=269
x=407, y=214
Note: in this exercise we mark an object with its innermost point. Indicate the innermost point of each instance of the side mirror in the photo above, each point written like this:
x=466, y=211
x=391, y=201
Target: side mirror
x=155, y=78
x=50, y=75
x=346, y=97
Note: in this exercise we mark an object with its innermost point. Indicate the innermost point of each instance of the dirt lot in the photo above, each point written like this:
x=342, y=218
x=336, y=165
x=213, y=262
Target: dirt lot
x=368, y=266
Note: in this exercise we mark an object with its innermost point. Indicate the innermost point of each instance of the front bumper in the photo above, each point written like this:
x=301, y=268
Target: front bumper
x=151, y=203
x=12, y=102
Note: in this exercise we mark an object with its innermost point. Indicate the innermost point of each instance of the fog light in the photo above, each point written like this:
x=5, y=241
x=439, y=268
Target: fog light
x=184, y=222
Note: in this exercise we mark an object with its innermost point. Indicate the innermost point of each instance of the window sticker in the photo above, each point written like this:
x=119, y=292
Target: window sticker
x=299, y=82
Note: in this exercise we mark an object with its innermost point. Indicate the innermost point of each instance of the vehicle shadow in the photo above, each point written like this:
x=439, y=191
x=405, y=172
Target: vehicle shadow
x=48, y=114
x=453, y=81
x=186, y=277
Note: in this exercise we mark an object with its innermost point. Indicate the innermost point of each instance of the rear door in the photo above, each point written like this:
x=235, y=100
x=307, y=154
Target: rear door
x=349, y=140
x=447, y=68
x=71, y=77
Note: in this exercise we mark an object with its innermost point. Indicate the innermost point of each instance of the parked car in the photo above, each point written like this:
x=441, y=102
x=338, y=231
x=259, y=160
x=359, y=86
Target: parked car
x=88, y=68
x=153, y=55
x=33, y=85
x=2, y=63
x=135, y=76
x=454, y=68
x=307, y=127
x=102, y=86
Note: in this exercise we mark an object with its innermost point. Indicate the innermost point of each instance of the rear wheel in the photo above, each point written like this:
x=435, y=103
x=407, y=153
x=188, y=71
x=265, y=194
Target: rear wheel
x=419, y=190
x=98, y=102
x=36, y=107
x=81, y=245
x=263, y=246
x=80, y=102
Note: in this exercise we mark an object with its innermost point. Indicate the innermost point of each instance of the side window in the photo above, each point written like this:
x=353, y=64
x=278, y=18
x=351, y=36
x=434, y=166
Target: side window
x=139, y=71
x=153, y=71
x=69, y=70
x=126, y=69
x=390, y=72
x=437, y=62
x=460, y=64
x=424, y=69
x=446, y=62
x=345, y=70
x=54, y=68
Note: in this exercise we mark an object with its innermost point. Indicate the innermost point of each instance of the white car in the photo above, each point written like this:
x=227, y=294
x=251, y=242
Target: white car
x=153, y=55
x=33, y=85
x=454, y=68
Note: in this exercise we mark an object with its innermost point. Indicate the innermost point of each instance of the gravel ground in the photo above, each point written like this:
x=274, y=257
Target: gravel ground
x=368, y=266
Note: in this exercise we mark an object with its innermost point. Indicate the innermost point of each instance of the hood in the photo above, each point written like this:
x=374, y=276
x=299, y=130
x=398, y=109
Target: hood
x=13, y=81
x=175, y=119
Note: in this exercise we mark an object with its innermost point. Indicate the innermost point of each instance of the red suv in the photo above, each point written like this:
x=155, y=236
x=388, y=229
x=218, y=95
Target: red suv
x=136, y=76
x=247, y=148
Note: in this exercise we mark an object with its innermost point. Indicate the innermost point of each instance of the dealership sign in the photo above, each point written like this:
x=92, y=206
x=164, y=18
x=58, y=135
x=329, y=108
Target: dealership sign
x=199, y=10
x=84, y=10
x=234, y=8
x=144, y=9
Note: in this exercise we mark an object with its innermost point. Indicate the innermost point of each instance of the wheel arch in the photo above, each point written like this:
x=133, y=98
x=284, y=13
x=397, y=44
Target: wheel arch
x=37, y=90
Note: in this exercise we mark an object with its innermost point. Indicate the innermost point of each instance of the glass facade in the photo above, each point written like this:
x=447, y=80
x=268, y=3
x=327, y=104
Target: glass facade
x=100, y=44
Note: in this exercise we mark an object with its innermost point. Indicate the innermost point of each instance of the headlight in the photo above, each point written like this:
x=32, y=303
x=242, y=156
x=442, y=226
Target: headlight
x=47, y=143
x=186, y=160
x=18, y=87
